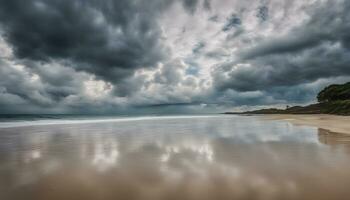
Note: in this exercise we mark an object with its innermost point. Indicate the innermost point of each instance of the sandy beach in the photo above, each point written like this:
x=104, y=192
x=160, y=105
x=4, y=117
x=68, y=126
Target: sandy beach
x=168, y=157
x=333, y=123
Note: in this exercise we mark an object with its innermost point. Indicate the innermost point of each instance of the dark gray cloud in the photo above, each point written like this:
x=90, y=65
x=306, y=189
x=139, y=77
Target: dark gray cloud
x=110, y=39
x=232, y=22
x=316, y=49
x=67, y=55
x=41, y=89
x=263, y=13
x=292, y=43
x=286, y=70
x=328, y=22
x=190, y=5
x=39, y=85
x=299, y=94
x=214, y=18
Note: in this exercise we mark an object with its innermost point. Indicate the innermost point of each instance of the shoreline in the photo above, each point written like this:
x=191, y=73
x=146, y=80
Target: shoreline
x=70, y=121
x=332, y=123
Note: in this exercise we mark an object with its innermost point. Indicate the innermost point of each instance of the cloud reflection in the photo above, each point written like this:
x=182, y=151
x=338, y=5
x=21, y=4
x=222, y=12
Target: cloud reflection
x=227, y=158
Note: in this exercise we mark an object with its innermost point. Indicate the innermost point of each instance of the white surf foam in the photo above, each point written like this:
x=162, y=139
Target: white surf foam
x=96, y=120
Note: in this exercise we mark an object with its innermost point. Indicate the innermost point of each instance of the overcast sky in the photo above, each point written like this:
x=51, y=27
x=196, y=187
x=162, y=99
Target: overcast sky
x=147, y=56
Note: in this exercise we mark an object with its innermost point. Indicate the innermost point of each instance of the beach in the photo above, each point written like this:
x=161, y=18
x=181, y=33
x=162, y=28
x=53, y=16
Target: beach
x=171, y=157
x=333, y=123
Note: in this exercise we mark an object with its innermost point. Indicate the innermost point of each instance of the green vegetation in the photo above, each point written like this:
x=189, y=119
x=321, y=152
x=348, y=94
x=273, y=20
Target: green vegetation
x=337, y=107
x=334, y=99
x=335, y=93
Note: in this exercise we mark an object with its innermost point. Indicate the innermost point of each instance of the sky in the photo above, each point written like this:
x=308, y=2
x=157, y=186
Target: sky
x=169, y=56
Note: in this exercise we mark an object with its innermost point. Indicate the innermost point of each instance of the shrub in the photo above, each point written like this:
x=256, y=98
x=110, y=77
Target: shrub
x=334, y=93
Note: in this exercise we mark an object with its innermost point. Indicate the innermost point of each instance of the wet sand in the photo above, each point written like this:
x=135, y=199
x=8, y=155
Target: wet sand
x=226, y=157
x=333, y=123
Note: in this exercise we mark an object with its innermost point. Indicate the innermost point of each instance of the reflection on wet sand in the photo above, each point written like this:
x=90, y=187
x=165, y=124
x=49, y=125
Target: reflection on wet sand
x=335, y=140
x=221, y=158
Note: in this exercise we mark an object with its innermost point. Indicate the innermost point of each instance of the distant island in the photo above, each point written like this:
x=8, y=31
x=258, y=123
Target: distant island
x=334, y=99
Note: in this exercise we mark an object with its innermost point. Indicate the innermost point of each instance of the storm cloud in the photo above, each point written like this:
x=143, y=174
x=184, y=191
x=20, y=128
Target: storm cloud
x=110, y=39
x=120, y=56
x=317, y=48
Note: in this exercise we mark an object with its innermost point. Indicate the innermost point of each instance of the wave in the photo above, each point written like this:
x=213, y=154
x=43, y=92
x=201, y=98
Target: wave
x=57, y=121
